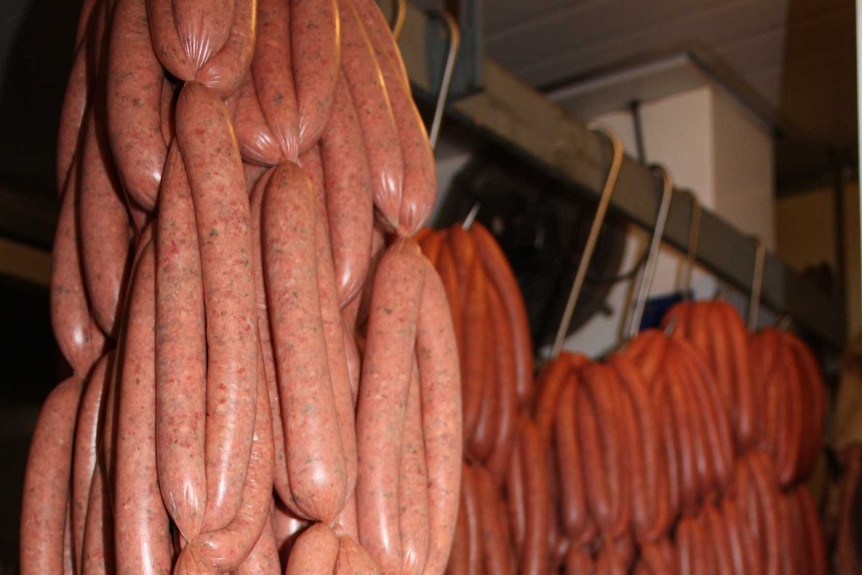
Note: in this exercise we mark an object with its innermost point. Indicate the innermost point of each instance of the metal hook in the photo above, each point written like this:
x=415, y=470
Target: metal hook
x=446, y=81
x=601, y=210
x=471, y=216
x=400, y=16
x=671, y=325
x=693, y=238
x=756, y=284
x=639, y=302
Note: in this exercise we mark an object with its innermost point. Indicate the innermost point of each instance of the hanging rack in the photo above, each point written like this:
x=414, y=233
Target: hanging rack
x=511, y=114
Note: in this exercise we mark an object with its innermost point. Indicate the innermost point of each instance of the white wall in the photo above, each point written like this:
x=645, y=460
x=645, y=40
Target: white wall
x=744, y=170
x=709, y=144
x=676, y=132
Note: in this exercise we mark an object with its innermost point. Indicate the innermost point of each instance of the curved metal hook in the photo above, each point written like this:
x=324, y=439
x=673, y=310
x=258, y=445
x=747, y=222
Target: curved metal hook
x=756, y=284
x=639, y=303
x=400, y=16
x=446, y=80
x=693, y=238
x=471, y=216
x=601, y=210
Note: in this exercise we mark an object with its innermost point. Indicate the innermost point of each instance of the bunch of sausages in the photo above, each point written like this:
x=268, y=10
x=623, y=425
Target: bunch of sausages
x=690, y=452
x=682, y=452
x=497, y=388
x=266, y=376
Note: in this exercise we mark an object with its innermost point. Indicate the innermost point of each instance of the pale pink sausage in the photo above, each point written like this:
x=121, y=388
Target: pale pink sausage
x=46, y=481
x=354, y=366
x=86, y=451
x=348, y=522
x=225, y=71
x=281, y=480
x=105, y=230
x=168, y=122
x=202, y=27
x=98, y=546
x=330, y=314
x=382, y=144
x=107, y=434
x=98, y=40
x=315, y=50
x=85, y=19
x=271, y=69
x=315, y=456
x=222, y=213
x=383, y=392
x=441, y=417
x=413, y=492
x=378, y=28
x=181, y=353
x=142, y=533
x=349, y=202
x=79, y=338
x=134, y=92
x=353, y=559
x=256, y=141
x=419, y=190
x=315, y=552
x=72, y=116
x=227, y=548
x=263, y=559
x=287, y=528
x=166, y=41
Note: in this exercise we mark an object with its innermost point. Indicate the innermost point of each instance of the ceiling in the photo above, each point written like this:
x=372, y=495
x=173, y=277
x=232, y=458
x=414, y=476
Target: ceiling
x=798, y=55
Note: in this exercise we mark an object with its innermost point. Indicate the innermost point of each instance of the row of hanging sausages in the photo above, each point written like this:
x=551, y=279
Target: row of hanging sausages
x=265, y=368
x=663, y=458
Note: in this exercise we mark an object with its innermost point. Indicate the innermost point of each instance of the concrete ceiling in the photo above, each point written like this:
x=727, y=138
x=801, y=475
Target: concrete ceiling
x=798, y=55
